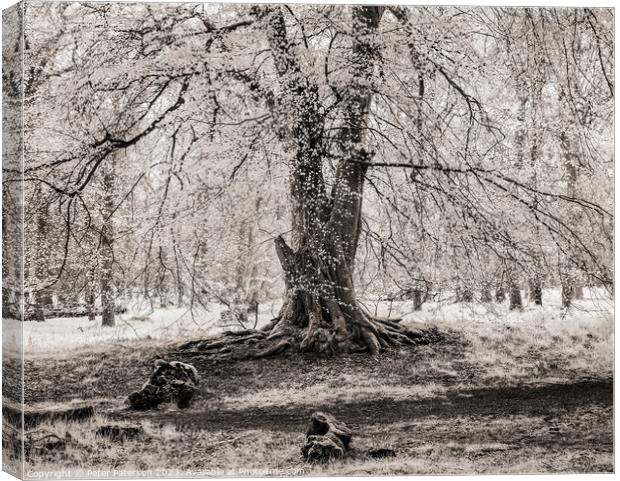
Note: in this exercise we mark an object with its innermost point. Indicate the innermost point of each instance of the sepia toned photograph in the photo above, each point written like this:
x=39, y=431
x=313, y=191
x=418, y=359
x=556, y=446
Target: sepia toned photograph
x=267, y=240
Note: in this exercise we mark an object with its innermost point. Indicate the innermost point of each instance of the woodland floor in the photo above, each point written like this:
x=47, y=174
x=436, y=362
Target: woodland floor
x=492, y=398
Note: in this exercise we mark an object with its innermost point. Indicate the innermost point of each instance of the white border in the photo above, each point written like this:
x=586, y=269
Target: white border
x=485, y=3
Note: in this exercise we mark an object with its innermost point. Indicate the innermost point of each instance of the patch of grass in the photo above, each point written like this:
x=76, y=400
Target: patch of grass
x=485, y=401
x=345, y=388
x=430, y=445
x=553, y=348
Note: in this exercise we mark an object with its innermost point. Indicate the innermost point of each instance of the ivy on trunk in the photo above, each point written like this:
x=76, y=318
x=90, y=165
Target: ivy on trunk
x=321, y=307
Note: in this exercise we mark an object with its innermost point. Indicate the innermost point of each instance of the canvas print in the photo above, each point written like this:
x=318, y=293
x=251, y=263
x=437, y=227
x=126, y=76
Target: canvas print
x=302, y=239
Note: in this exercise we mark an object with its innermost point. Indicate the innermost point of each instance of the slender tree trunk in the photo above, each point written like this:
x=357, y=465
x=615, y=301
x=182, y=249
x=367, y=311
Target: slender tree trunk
x=464, y=294
x=500, y=293
x=516, y=302
x=107, y=248
x=177, y=268
x=485, y=294
x=535, y=286
x=41, y=297
x=90, y=294
x=566, y=271
x=568, y=293
x=514, y=291
x=251, y=284
x=418, y=299
x=536, y=279
x=162, y=281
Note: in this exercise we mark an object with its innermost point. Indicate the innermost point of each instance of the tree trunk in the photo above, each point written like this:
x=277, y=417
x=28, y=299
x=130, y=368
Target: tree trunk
x=107, y=249
x=90, y=294
x=464, y=294
x=251, y=286
x=514, y=292
x=485, y=295
x=516, y=302
x=500, y=293
x=568, y=293
x=535, y=134
x=320, y=312
x=39, y=315
x=41, y=297
x=178, y=273
x=536, y=290
x=567, y=279
x=418, y=299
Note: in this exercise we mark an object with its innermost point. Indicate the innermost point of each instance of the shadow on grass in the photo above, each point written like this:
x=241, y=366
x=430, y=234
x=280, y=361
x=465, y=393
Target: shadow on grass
x=529, y=400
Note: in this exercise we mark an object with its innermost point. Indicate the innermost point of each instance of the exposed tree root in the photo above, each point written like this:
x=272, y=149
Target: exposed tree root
x=320, y=314
x=275, y=349
x=361, y=333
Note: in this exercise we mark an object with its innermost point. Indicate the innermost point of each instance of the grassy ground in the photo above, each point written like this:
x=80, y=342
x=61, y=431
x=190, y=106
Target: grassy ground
x=531, y=394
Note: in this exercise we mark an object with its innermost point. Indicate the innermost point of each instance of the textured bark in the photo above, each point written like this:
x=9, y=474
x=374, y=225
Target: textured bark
x=536, y=291
x=90, y=294
x=514, y=292
x=500, y=293
x=178, y=275
x=326, y=439
x=42, y=297
x=320, y=303
x=570, y=163
x=418, y=299
x=516, y=302
x=178, y=272
x=509, y=285
x=464, y=294
x=568, y=292
x=485, y=293
x=536, y=280
x=107, y=250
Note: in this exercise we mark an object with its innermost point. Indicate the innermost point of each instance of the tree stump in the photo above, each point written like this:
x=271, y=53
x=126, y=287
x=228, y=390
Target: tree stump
x=170, y=382
x=326, y=439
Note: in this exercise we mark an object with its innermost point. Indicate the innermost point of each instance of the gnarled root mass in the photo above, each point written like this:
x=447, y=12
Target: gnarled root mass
x=331, y=327
x=346, y=334
x=320, y=314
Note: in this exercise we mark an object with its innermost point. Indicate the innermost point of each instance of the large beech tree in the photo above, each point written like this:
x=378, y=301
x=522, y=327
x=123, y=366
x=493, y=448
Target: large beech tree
x=392, y=134
x=320, y=305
